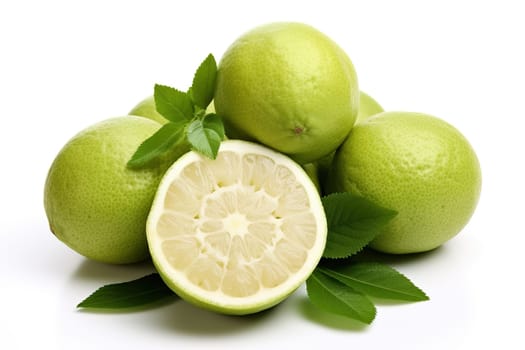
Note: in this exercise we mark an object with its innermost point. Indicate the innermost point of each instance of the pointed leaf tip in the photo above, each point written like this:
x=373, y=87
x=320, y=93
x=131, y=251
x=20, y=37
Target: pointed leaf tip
x=203, y=86
x=204, y=139
x=136, y=293
x=376, y=280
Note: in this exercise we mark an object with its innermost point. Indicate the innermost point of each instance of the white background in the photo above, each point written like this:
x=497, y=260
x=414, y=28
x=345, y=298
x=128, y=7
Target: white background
x=67, y=64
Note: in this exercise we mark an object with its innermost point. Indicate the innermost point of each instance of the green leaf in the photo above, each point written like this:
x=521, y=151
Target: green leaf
x=203, y=86
x=376, y=280
x=353, y=222
x=157, y=144
x=214, y=122
x=142, y=291
x=203, y=137
x=174, y=105
x=335, y=297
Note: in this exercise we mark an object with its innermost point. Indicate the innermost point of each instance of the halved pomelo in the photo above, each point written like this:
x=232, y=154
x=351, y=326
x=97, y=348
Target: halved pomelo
x=237, y=234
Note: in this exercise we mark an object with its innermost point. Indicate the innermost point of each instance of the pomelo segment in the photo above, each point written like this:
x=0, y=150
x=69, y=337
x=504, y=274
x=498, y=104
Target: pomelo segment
x=236, y=234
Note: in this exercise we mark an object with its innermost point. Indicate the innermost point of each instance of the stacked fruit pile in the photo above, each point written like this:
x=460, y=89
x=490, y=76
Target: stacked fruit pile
x=222, y=185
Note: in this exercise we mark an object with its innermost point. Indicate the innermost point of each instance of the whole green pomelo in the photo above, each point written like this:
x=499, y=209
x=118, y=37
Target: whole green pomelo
x=93, y=202
x=289, y=87
x=416, y=164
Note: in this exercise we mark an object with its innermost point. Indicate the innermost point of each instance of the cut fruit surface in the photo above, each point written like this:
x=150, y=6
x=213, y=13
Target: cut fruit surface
x=236, y=234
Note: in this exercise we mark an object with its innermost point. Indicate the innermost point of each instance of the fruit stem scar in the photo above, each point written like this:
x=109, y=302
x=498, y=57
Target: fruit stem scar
x=298, y=130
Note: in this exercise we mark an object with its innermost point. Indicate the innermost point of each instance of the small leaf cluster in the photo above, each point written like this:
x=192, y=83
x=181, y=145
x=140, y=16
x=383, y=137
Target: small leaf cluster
x=353, y=222
x=188, y=123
